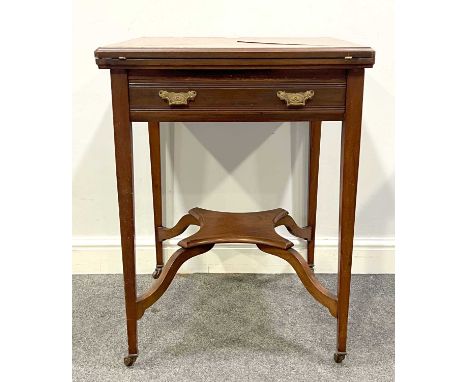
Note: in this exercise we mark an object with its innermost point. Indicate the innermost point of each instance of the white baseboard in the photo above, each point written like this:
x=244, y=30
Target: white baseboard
x=102, y=255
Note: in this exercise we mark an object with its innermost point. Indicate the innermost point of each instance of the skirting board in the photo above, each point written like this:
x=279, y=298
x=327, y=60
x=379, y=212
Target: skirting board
x=103, y=256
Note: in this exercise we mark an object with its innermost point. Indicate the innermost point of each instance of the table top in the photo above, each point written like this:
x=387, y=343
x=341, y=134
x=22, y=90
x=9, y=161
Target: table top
x=243, y=47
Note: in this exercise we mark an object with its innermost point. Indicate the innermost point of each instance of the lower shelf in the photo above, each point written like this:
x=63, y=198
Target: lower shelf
x=229, y=227
x=226, y=227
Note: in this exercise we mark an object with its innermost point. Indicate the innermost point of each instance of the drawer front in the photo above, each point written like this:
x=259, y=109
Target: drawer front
x=179, y=95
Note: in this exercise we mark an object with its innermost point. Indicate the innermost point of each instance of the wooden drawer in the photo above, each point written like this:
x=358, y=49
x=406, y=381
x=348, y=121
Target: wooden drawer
x=236, y=94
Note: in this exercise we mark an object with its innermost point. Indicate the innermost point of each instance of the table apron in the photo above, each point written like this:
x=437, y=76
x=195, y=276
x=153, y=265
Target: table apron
x=236, y=116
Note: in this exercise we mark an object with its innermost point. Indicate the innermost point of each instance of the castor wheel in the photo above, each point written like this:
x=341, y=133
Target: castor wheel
x=339, y=357
x=130, y=359
x=157, y=271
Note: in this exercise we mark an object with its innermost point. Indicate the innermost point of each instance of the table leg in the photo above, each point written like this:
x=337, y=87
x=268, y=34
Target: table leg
x=350, y=146
x=124, y=170
x=315, y=128
x=155, y=156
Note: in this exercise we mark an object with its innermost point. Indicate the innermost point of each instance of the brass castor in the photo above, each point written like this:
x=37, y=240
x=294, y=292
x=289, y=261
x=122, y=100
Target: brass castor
x=157, y=271
x=130, y=359
x=339, y=357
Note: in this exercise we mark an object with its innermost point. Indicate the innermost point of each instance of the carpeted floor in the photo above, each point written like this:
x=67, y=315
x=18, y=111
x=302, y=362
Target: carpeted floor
x=233, y=327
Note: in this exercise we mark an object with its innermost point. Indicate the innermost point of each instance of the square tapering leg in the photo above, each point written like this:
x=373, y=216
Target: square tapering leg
x=315, y=130
x=350, y=148
x=155, y=158
x=124, y=169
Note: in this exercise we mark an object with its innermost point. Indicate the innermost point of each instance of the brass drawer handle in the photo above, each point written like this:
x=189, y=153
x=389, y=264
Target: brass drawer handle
x=178, y=98
x=295, y=99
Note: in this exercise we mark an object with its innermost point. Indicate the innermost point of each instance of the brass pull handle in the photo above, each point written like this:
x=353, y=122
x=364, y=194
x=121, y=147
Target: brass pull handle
x=295, y=99
x=178, y=98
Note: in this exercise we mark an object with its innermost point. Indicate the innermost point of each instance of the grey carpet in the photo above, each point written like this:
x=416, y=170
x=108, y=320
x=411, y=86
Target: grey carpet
x=233, y=327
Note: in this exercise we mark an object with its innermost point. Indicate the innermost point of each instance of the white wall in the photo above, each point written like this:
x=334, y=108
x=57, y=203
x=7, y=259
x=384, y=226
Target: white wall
x=222, y=165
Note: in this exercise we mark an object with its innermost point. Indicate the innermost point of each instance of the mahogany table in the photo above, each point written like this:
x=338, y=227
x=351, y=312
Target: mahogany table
x=249, y=79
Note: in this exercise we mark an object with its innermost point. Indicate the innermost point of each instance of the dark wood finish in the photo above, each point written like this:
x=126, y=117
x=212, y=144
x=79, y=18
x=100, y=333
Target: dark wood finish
x=229, y=227
x=159, y=286
x=246, y=47
x=164, y=52
x=155, y=158
x=124, y=170
x=189, y=219
x=239, y=77
x=236, y=81
x=222, y=64
x=315, y=131
x=157, y=289
x=233, y=94
x=214, y=98
x=188, y=115
x=317, y=290
x=293, y=228
x=350, y=147
x=184, y=222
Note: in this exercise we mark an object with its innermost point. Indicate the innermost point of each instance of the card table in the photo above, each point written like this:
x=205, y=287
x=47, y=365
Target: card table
x=156, y=79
